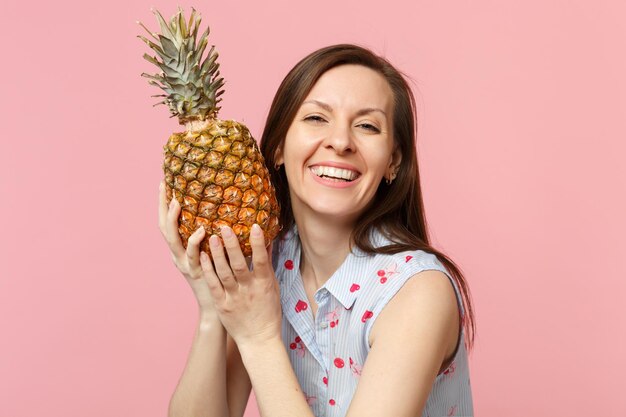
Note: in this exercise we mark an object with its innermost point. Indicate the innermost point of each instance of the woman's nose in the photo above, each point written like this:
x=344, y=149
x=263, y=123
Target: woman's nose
x=340, y=139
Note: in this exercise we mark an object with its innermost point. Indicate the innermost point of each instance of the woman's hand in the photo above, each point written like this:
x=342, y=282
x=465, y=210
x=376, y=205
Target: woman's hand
x=247, y=301
x=187, y=261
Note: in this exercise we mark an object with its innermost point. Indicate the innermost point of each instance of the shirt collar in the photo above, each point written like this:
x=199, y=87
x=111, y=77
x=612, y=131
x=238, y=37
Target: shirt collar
x=343, y=284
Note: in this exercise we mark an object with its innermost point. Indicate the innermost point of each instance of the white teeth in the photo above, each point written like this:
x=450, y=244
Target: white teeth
x=344, y=174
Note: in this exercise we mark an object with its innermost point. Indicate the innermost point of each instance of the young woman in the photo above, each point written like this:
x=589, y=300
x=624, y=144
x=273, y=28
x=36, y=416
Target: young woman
x=353, y=313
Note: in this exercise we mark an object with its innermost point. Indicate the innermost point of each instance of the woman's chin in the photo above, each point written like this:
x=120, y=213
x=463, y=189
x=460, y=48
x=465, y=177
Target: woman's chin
x=334, y=211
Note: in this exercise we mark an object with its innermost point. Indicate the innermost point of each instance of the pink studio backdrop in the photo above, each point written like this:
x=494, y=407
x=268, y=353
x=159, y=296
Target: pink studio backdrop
x=522, y=109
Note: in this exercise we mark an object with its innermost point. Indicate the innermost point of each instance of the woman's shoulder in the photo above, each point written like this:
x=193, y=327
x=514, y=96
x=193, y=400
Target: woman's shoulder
x=415, y=257
x=400, y=265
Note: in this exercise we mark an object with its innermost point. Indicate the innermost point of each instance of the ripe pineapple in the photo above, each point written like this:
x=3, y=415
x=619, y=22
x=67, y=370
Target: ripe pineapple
x=214, y=169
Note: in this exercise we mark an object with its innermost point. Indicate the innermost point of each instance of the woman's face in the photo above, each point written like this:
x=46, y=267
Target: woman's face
x=340, y=144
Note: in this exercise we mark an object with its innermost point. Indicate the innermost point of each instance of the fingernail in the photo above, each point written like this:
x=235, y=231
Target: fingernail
x=256, y=230
x=199, y=230
x=226, y=231
x=172, y=201
x=204, y=257
x=214, y=241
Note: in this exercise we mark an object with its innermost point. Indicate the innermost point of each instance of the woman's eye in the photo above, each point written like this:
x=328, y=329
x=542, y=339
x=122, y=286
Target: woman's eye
x=370, y=127
x=314, y=118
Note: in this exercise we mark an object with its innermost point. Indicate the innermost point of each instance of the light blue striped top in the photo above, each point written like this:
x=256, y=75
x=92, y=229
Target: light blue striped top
x=328, y=353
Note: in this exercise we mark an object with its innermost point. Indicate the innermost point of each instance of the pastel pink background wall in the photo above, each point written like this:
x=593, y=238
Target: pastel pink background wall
x=522, y=112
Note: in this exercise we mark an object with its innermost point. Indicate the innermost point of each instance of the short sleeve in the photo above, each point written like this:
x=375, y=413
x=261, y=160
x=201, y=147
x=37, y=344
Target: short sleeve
x=420, y=264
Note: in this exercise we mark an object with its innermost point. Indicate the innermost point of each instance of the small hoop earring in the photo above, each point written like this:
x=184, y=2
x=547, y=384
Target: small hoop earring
x=392, y=176
x=276, y=167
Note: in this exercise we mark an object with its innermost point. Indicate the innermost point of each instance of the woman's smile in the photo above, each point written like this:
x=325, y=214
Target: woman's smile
x=333, y=174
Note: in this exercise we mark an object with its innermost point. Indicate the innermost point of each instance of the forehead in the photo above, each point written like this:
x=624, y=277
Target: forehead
x=353, y=86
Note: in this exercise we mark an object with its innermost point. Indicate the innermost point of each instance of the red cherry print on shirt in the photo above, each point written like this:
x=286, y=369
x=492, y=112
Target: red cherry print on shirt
x=351, y=361
x=381, y=273
x=339, y=363
x=408, y=258
x=333, y=324
x=450, y=369
x=383, y=280
x=355, y=287
x=293, y=346
x=325, y=380
x=289, y=264
x=301, y=306
x=298, y=340
x=367, y=315
x=331, y=402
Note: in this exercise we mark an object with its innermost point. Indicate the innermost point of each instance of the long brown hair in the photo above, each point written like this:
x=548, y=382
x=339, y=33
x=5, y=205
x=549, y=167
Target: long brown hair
x=398, y=209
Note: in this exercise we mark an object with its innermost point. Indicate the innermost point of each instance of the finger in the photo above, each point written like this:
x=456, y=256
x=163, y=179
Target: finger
x=260, y=258
x=209, y=275
x=222, y=268
x=171, y=228
x=193, y=252
x=235, y=256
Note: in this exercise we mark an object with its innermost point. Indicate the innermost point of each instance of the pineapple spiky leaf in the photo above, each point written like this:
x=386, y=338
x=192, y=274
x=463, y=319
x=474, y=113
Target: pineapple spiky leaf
x=153, y=34
x=192, y=82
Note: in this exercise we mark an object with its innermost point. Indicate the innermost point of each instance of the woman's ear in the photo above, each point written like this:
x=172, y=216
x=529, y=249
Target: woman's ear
x=394, y=161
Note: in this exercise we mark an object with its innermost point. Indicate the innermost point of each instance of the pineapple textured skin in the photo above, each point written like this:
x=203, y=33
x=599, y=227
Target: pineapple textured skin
x=219, y=177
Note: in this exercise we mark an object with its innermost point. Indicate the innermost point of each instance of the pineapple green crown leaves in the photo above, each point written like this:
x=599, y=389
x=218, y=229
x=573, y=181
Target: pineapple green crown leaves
x=193, y=87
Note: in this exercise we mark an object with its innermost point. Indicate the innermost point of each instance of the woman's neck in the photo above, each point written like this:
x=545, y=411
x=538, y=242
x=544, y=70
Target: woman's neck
x=325, y=246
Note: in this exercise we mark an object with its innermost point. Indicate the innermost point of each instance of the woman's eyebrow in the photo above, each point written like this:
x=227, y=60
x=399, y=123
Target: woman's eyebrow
x=370, y=110
x=321, y=104
x=330, y=109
